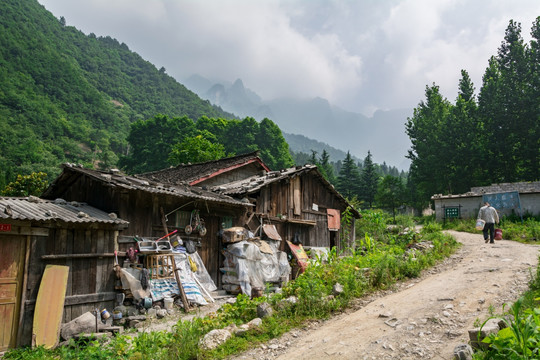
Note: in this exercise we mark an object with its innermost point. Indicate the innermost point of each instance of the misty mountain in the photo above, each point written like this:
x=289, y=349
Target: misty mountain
x=383, y=134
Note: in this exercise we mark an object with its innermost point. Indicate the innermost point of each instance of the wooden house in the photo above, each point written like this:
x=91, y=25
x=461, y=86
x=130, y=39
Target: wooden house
x=152, y=208
x=35, y=233
x=302, y=204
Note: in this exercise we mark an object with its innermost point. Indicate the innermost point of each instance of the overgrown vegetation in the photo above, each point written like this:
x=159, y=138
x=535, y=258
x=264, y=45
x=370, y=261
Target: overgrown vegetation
x=520, y=339
x=527, y=231
x=70, y=97
x=383, y=257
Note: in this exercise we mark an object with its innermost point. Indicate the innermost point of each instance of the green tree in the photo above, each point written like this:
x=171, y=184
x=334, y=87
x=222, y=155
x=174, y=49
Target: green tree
x=464, y=131
x=152, y=140
x=369, y=180
x=390, y=194
x=348, y=180
x=532, y=140
x=196, y=149
x=506, y=109
x=273, y=148
x=430, y=151
x=26, y=185
x=326, y=168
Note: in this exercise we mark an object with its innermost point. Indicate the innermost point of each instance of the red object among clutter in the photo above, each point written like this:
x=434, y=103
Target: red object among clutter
x=498, y=234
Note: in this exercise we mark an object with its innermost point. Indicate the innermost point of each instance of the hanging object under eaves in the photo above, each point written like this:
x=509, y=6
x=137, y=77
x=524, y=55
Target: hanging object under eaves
x=271, y=231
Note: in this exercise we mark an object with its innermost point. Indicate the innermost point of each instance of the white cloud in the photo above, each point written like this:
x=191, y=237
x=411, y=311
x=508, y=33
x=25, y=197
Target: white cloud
x=362, y=55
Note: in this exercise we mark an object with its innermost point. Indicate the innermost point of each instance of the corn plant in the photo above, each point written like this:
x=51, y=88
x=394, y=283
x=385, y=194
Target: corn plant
x=520, y=338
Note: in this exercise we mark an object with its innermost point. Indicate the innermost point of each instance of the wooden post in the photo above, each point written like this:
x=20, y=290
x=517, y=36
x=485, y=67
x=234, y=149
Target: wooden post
x=180, y=288
x=164, y=221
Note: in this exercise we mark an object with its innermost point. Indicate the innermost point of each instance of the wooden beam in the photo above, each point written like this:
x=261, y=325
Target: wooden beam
x=80, y=256
x=82, y=299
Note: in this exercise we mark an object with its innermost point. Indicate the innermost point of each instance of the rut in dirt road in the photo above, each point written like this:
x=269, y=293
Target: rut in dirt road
x=423, y=318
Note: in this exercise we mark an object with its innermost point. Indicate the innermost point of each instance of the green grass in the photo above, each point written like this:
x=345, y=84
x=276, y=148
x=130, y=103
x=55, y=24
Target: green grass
x=513, y=229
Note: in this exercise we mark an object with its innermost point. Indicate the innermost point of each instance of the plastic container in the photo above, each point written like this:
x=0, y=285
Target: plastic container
x=498, y=234
x=147, y=303
x=117, y=315
x=480, y=224
x=168, y=302
x=105, y=314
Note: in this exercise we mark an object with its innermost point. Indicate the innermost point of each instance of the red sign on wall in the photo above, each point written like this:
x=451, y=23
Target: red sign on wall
x=5, y=227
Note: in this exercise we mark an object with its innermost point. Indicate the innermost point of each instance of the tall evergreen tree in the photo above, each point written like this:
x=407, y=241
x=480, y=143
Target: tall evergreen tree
x=532, y=141
x=348, y=180
x=369, y=181
x=463, y=131
x=508, y=119
x=429, y=152
x=326, y=167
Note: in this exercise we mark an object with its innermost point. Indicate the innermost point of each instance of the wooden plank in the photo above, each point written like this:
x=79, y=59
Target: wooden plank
x=91, y=246
x=297, y=195
x=27, y=230
x=81, y=256
x=90, y=298
x=65, y=246
x=50, y=305
x=24, y=291
x=100, y=248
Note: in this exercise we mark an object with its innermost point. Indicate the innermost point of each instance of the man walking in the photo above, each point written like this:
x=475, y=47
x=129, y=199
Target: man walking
x=490, y=216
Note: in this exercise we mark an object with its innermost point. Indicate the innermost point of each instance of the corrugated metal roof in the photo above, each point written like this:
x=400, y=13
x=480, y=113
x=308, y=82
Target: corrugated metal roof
x=116, y=178
x=35, y=209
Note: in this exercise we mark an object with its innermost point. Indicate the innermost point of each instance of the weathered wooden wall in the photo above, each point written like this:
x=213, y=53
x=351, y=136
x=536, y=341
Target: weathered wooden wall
x=289, y=204
x=143, y=212
x=91, y=278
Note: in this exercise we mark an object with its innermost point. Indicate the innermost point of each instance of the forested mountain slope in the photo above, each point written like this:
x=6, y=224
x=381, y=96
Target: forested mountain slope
x=66, y=96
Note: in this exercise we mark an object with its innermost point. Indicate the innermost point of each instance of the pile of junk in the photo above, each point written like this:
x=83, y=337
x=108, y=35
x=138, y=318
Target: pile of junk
x=151, y=273
x=253, y=264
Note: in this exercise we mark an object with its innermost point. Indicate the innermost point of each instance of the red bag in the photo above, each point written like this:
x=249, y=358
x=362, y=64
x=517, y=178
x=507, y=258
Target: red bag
x=498, y=234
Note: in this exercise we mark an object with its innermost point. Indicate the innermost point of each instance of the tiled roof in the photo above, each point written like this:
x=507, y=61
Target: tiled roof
x=35, y=209
x=116, y=178
x=255, y=183
x=192, y=172
x=521, y=187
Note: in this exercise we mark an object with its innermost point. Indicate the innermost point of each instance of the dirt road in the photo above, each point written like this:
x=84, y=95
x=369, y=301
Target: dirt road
x=424, y=318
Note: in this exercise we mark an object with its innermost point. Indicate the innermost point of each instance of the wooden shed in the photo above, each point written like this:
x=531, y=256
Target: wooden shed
x=153, y=208
x=301, y=203
x=35, y=233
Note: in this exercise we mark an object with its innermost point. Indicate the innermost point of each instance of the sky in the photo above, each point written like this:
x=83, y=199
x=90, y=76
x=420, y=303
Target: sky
x=362, y=56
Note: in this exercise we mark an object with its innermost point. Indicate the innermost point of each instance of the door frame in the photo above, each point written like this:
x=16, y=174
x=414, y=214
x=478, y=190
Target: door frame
x=20, y=280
